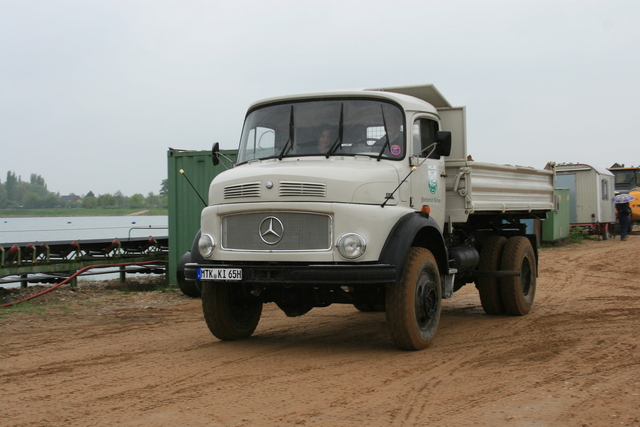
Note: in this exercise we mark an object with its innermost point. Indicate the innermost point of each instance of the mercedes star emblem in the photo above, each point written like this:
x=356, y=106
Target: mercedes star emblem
x=271, y=230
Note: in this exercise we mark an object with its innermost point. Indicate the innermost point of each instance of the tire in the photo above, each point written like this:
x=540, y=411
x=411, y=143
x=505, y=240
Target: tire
x=190, y=289
x=518, y=291
x=413, y=306
x=230, y=313
x=489, y=287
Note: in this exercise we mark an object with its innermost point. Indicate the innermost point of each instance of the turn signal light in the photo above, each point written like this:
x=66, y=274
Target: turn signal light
x=426, y=209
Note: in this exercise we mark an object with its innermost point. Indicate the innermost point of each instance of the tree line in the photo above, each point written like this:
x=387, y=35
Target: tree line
x=33, y=194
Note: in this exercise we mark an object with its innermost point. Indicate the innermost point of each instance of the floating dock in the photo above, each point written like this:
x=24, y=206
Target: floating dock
x=44, y=262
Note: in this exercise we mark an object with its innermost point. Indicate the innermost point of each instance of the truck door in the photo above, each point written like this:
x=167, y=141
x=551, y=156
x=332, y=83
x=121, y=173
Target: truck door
x=428, y=181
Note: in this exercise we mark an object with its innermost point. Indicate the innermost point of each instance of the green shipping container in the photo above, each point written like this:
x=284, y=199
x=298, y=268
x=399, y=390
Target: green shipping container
x=185, y=204
x=556, y=226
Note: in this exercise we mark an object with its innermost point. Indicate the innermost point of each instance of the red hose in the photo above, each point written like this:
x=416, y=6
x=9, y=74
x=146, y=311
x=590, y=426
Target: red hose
x=77, y=273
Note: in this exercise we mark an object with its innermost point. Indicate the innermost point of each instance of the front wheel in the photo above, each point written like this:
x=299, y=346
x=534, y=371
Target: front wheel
x=190, y=289
x=518, y=291
x=413, y=306
x=230, y=311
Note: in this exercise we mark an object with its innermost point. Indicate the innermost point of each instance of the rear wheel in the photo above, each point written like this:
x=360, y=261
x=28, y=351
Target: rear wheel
x=231, y=313
x=489, y=287
x=518, y=291
x=413, y=306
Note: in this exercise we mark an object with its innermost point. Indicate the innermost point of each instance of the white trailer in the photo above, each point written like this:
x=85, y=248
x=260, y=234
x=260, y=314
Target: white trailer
x=591, y=193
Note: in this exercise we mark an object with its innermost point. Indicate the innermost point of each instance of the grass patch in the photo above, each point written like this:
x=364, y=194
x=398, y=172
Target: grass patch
x=130, y=288
x=93, y=303
x=150, y=284
x=576, y=235
x=27, y=307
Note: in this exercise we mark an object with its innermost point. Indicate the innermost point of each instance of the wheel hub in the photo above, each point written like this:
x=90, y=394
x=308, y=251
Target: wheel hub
x=525, y=277
x=426, y=300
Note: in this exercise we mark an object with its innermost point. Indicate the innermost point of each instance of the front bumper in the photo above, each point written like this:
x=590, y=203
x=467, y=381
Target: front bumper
x=304, y=274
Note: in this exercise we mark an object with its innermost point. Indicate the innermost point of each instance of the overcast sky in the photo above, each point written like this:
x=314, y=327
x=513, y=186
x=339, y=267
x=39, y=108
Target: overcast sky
x=92, y=93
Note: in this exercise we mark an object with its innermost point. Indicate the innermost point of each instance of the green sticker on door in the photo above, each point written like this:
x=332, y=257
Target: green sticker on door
x=433, y=179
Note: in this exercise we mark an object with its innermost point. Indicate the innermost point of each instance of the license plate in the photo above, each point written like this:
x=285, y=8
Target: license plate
x=219, y=274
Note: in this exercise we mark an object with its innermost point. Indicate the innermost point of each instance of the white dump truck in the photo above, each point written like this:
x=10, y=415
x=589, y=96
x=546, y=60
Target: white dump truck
x=364, y=197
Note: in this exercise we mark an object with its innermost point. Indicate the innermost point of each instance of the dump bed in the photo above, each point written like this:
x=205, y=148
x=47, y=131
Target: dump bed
x=475, y=187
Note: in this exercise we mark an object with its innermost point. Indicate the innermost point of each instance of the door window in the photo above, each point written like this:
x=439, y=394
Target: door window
x=424, y=138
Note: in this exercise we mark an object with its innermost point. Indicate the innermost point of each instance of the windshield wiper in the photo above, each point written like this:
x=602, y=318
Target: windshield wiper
x=338, y=141
x=290, y=140
x=386, y=134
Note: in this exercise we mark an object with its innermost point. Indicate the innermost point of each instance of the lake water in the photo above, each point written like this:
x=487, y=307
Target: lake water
x=50, y=229
x=32, y=230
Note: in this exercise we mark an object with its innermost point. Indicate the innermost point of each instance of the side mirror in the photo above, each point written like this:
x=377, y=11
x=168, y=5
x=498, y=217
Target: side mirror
x=215, y=154
x=443, y=138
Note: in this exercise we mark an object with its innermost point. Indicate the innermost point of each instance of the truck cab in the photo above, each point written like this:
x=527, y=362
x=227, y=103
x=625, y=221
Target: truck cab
x=627, y=178
x=330, y=164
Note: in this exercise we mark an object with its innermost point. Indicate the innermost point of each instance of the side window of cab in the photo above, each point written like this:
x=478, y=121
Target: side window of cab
x=424, y=138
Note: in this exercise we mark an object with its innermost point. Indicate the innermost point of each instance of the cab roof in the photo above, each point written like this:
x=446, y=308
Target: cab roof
x=412, y=98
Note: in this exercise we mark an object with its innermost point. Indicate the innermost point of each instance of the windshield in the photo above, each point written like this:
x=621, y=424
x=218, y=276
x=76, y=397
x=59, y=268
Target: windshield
x=324, y=128
x=626, y=177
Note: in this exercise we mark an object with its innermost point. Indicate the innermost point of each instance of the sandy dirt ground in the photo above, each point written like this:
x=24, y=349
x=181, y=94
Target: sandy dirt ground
x=99, y=357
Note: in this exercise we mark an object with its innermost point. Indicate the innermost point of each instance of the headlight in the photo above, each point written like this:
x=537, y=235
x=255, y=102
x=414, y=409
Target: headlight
x=206, y=244
x=351, y=245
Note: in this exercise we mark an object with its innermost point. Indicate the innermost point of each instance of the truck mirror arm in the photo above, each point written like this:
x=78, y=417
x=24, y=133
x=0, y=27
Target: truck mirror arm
x=442, y=145
x=431, y=147
x=216, y=154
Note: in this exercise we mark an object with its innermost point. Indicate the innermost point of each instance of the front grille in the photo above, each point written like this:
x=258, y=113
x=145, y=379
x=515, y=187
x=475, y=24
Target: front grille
x=277, y=231
x=250, y=189
x=291, y=188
